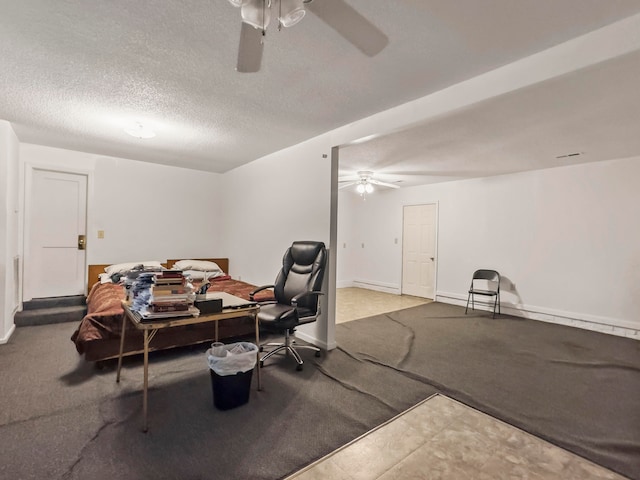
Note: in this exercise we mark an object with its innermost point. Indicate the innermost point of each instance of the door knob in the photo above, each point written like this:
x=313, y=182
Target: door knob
x=82, y=242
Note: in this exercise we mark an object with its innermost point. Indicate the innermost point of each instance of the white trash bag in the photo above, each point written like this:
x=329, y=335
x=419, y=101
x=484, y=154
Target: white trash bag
x=233, y=358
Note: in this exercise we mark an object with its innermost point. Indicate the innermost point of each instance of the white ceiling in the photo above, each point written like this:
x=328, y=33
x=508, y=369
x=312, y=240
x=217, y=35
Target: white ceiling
x=74, y=73
x=593, y=112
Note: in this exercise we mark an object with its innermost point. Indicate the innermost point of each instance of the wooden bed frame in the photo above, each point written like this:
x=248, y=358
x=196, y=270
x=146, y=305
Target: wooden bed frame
x=109, y=348
x=96, y=269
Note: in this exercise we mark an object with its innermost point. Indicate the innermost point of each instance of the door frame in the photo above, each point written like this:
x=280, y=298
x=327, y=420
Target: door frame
x=29, y=168
x=437, y=229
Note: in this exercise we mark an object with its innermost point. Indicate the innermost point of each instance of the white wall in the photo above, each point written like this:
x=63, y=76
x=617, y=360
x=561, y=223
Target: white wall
x=272, y=202
x=285, y=196
x=368, y=255
x=147, y=211
x=9, y=222
x=566, y=239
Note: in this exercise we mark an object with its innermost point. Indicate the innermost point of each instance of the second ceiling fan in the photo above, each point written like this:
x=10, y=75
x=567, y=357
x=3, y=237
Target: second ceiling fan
x=364, y=182
x=344, y=19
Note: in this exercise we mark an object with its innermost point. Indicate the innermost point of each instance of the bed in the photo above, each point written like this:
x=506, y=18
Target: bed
x=97, y=337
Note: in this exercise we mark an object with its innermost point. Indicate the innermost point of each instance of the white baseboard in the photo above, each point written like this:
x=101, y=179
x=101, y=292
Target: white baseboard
x=378, y=286
x=612, y=326
x=7, y=336
x=344, y=284
x=318, y=343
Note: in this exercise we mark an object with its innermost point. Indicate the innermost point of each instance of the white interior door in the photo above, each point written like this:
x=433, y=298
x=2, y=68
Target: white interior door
x=55, y=265
x=419, y=250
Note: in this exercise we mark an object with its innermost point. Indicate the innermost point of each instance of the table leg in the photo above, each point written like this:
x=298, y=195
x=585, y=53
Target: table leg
x=255, y=316
x=124, y=324
x=146, y=380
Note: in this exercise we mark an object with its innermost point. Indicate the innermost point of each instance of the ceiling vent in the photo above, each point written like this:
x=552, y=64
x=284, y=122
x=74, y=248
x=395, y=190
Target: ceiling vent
x=567, y=155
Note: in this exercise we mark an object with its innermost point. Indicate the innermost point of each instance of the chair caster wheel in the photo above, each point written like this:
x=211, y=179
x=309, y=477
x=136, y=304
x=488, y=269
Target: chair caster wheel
x=261, y=349
x=299, y=368
x=317, y=354
x=261, y=364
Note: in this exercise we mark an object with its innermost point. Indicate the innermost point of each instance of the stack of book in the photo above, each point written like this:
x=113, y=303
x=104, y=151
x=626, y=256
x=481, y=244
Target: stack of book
x=170, y=295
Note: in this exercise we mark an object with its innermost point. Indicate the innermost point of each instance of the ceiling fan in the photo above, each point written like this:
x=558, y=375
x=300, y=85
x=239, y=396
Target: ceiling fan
x=364, y=182
x=344, y=19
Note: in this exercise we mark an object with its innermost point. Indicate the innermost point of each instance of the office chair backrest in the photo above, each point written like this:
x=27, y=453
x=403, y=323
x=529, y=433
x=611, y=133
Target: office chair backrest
x=302, y=271
x=489, y=275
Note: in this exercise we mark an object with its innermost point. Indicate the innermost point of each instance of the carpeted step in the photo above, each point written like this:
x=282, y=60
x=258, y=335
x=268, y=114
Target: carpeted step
x=42, y=311
x=53, y=302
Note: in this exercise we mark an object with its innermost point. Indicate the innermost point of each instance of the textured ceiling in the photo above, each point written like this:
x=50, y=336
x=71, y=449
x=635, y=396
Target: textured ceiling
x=75, y=73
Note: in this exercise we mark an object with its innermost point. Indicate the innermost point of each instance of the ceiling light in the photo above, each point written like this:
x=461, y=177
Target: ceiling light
x=291, y=12
x=256, y=13
x=368, y=188
x=138, y=130
x=360, y=188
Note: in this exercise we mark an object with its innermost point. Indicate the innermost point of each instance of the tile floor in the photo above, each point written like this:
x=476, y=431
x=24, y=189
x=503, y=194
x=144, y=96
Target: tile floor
x=440, y=438
x=353, y=303
x=443, y=439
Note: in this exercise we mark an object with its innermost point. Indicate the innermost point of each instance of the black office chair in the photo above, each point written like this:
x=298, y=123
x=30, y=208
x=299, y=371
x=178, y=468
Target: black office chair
x=297, y=297
x=491, y=280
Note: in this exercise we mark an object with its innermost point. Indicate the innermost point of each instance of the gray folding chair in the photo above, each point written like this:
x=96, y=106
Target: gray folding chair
x=490, y=280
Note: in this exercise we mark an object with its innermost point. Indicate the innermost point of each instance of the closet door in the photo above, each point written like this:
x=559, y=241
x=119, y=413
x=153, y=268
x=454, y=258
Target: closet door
x=419, y=250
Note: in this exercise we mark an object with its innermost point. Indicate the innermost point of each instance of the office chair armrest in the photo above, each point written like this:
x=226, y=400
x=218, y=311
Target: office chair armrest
x=294, y=300
x=259, y=289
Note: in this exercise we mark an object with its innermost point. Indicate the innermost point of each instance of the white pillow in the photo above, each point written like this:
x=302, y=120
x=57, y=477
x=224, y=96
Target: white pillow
x=125, y=267
x=200, y=275
x=105, y=278
x=201, y=265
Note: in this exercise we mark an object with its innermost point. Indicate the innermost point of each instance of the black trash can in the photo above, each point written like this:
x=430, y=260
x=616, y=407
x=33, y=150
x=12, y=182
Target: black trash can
x=231, y=371
x=230, y=391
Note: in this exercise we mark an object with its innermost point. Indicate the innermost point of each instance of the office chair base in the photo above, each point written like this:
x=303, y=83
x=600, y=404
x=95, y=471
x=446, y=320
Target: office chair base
x=289, y=348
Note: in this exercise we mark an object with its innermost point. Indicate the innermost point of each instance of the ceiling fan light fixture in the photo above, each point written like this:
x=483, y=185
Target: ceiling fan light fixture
x=360, y=188
x=291, y=12
x=368, y=188
x=256, y=13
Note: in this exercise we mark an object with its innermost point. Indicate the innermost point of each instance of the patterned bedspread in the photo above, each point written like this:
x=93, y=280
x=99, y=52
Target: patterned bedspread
x=104, y=308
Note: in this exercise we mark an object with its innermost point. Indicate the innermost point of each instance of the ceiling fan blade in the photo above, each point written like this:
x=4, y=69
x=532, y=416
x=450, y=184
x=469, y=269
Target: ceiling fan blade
x=383, y=184
x=347, y=185
x=250, y=49
x=345, y=20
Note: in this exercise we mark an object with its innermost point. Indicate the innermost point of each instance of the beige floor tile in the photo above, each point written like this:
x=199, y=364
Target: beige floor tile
x=380, y=450
x=443, y=439
x=462, y=445
x=505, y=466
x=353, y=303
x=423, y=465
x=429, y=421
x=324, y=470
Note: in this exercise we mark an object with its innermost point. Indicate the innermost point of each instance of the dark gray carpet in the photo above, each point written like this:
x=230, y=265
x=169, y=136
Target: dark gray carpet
x=62, y=418
x=575, y=388
x=66, y=420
